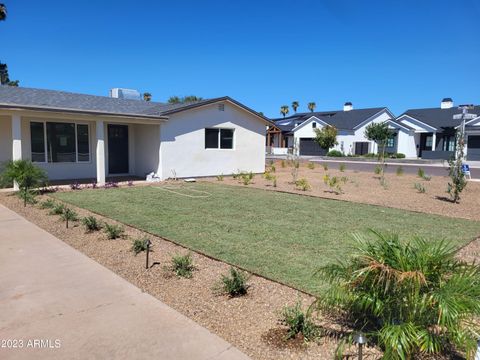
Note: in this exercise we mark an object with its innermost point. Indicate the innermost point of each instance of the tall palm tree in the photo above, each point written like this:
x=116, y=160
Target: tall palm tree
x=312, y=106
x=284, y=110
x=295, y=106
x=3, y=12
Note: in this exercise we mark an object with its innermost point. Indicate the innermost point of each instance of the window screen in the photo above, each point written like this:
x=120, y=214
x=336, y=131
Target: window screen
x=37, y=141
x=83, y=146
x=226, y=139
x=211, y=138
x=61, y=142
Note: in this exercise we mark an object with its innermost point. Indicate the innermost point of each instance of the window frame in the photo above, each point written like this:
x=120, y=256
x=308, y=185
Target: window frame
x=391, y=139
x=219, y=139
x=45, y=140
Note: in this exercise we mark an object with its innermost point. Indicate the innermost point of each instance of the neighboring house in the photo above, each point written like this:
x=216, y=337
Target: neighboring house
x=77, y=136
x=435, y=130
x=297, y=132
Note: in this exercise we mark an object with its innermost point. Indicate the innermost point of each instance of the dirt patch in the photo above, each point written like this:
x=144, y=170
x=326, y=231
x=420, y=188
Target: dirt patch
x=364, y=187
x=251, y=323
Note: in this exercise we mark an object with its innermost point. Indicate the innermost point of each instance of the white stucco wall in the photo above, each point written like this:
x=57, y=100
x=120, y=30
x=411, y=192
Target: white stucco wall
x=406, y=144
x=5, y=138
x=147, y=148
x=183, y=143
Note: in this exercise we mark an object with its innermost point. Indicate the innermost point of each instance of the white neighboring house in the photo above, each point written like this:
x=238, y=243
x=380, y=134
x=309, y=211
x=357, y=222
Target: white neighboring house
x=77, y=136
x=297, y=132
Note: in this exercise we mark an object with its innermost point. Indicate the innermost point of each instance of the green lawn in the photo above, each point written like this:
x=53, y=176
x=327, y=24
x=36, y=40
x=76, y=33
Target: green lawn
x=282, y=236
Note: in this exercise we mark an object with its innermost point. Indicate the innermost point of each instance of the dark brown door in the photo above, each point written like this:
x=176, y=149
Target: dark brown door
x=117, y=149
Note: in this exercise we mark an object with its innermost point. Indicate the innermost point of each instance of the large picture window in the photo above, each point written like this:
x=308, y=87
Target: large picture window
x=57, y=142
x=219, y=138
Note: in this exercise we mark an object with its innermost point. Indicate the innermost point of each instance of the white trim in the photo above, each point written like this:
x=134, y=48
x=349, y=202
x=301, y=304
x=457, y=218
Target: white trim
x=428, y=128
x=472, y=121
x=308, y=121
x=373, y=117
x=394, y=124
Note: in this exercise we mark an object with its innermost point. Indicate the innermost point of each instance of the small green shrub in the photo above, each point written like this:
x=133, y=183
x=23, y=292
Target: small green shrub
x=370, y=155
x=420, y=188
x=182, y=265
x=273, y=168
x=91, y=223
x=28, y=196
x=399, y=171
x=299, y=322
x=69, y=215
x=335, y=153
x=311, y=165
x=57, y=209
x=220, y=177
x=47, y=204
x=114, y=231
x=342, y=167
x=420, y=173
x=234, y=284
x=398, y=156
x=335, y=183
x=303, y=184
x=378, y=169
x=268, y=176
x=427, y=177
x=139, y=245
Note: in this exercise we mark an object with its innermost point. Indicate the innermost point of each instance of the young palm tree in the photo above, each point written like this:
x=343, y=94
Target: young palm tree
x=3, y=12
x=295, y=106
x=312, y=106
x=147, y=96
x=410, y=298
x=284, y=110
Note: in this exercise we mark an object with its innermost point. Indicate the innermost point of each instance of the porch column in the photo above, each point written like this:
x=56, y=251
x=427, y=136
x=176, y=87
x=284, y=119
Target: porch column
x=16, y=141
x=100, y=152
x=434, y=141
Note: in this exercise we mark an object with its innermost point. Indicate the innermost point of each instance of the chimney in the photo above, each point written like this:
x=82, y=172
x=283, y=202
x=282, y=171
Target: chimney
x=446, y=103
x=347, y=106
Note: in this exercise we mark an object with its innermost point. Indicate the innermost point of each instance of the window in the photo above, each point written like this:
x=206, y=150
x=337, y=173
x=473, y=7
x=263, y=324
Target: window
x=314, y=125
x=59, y=142
x=429, y=141
x=448, y=143
x=390, y=142
x=218, y=138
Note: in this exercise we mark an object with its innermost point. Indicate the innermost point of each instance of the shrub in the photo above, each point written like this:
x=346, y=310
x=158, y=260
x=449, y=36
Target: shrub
x=130, y=183
x=182, y=265
x=114, y=231
x=57, y=209
x=220, y=177
x=370, y=155
x=26, y=174
x=335, y=183
x=234, y=284
x=28, y=196
x=47, y=204
x=299, y=322
x=378, y=169
x=420, y=173
x=69, y=215
x=335, y=153
x=303, y=184
x=75, y=186
x=94, y=185
x=399, y=171
x=412, y=298
x=268, y=176
x=420, y=188
x=273, y=168
x=397, y=156
x=246, y=178
x=311, y=165
x=139, y=245
x=427, y=177
x=111, y=184
x=91, y=223
x=342, y=167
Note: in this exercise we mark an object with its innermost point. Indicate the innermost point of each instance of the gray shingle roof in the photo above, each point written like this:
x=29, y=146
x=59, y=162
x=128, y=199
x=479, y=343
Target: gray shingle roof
x=342, y=120
x=438, y=118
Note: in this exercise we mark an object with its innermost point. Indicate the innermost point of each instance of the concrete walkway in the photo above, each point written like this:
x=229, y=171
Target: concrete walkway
x=56, y=303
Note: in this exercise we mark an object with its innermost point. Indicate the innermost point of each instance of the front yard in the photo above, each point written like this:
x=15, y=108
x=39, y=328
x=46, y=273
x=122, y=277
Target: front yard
x=284, y=237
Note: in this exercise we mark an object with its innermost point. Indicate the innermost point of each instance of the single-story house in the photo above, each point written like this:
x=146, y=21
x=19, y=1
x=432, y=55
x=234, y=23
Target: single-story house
x=296, y=133
x=435, y=131
x=78, y=136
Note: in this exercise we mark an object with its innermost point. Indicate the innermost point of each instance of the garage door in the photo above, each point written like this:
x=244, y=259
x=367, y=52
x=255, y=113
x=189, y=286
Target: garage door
x=361, y=147
x=309, y=146
x=473, y=148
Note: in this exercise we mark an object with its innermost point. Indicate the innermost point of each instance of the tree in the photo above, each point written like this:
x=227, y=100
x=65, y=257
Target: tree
x=380, y=133
x=4, y=78
x=312, y=106
x=3, y=12
x=455, y=171
x=295, y=106
x=184, y=99
x=284, y=110
x=147, y=96
x=26, y=174
x=411, y=298
x=326, y=137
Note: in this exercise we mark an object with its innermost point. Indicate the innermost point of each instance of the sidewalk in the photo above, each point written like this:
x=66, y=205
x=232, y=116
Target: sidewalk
x=56, y=303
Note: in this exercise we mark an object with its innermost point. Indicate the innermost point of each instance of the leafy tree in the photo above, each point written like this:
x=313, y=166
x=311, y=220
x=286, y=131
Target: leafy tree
x=284, y=110
x=184, y=99
x=4, y=78
x=174, y=100
x=326, y=137
x=410, y=298
x=312, y=106
x=3, y=12
x=380, y=133
x=295, y=106
x=147, y=96
x=26, y=174
x=455, y=171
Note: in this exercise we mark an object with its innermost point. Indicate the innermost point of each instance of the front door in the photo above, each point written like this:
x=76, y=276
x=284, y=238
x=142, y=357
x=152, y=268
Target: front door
x=426, y=143
x=117, y=149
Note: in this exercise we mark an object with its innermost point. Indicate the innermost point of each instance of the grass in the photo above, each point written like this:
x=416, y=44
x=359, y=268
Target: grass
x=282, y=236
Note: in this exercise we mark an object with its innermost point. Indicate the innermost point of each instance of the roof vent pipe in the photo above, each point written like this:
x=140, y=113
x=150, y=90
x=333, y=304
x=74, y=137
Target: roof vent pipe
x=446, y=103
x=347, y=106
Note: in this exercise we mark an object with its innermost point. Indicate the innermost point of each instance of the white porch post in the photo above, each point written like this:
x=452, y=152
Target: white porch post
x=16, y=141
x=434, y=141
x=100, y=152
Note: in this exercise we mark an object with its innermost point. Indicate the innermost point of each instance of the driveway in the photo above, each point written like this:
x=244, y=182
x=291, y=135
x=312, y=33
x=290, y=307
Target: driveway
x=56, y=303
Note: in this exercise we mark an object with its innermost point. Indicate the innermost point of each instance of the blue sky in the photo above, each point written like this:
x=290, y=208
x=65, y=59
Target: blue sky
x=400, y=54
